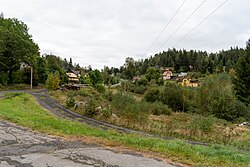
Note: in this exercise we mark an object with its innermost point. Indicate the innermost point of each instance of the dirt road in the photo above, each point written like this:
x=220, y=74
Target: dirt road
x=20, y=147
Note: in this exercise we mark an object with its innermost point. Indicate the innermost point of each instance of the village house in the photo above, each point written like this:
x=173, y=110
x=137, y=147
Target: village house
x=73, y=76
x=182, y=75
x=167, y=74
x=188, y=82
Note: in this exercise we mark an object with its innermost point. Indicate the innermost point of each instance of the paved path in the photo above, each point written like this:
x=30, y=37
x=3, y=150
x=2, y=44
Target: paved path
x=19, y=147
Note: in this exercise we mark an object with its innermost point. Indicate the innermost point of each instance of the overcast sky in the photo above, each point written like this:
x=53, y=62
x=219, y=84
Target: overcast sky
x=105, y=32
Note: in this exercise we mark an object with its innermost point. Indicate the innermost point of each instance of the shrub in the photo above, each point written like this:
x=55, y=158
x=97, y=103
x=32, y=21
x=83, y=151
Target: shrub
x=4, y=78
x=107, y=112
x=109, y=95
x=100, y=88
x=158, y=108
x=83, y=92
x=121, y=100
x=53, y=81
x=70, y=102
x=135, y=113
x=1, y=87
x=143, y=81
x=140, y=89
x=219, y=99
x=152, y=94
x=172, y=96
x=90, y=108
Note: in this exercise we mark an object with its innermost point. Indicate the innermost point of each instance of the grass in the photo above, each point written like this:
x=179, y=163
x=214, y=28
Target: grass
x=22, y=109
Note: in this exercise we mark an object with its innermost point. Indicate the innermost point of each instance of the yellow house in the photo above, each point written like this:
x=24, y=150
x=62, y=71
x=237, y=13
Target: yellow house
x=189, y=82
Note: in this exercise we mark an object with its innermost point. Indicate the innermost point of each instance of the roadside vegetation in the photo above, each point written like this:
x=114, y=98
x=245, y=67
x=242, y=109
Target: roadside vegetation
x=22, y=109
x=168, y=110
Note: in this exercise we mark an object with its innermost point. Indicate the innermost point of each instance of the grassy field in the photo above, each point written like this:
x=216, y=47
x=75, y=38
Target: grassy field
x=22, y=109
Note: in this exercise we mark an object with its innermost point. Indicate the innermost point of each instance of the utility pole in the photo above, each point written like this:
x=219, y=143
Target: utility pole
x=31, y=77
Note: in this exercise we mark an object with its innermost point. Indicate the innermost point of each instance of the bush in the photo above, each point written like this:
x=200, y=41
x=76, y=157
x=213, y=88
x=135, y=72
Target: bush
x=90, y=108
x=152, y=94
x=158, y=108
x=70, y=102
x=107, y=112
x=219, y=99
x=135, y=113
x=172, y=96
x=53, y=81
x=83, y=92
x=1, y=87
x=121, y=100
x=140, y=89
x=142, y=82
x=4, y=78
x=100, y=88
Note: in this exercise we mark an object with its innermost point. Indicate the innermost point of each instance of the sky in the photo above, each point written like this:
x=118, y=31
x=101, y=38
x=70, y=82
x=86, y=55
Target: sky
x=106, y=32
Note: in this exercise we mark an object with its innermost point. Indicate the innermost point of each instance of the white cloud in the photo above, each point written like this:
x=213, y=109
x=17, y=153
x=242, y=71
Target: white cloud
x=105, y=32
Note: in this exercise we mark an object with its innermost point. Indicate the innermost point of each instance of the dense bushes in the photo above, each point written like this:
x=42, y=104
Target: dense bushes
x=53, y=81
x=216, y=97
x=172, y=96
x=158, y=108
x=136, y=111
x=152, y=94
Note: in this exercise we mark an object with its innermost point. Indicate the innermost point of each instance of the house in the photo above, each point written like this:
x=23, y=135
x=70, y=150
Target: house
x=167, y=74
x=136, y=78
x=182, y=75
x=188, y=82
x=73, y=76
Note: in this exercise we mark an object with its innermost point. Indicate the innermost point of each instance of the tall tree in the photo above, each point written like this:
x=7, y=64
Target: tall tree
x=242, y=79
x=16, y=46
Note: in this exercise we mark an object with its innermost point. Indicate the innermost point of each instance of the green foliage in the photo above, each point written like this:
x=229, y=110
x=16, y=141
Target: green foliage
x=53, y=81
x=140, y=89
x=3, y=78
x=107, y=112
x=216, y=97
x=158, y=108
x=90, y=107
x=135, y=113
x=202, y=125
x=70, y=102
x=121, y=100
x=152, y=94
x=29, y=114
x=152, y=73
x=95, y=77
x=172, y=96
x=16, y=47
x=242, y=79
x=143, y=81
x=134, y=88
x=100, y=88
x=84, y=79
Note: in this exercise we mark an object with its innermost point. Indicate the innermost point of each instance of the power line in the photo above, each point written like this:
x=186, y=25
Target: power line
x=198, y=7
x=201, y=22
x=158, y=36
